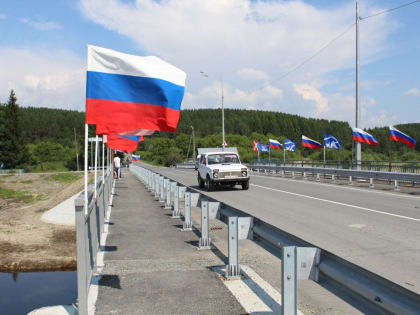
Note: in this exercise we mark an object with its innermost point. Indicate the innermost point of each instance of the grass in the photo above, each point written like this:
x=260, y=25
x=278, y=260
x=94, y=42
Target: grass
x=63, y=177
x=14, y=195
x=27, y=181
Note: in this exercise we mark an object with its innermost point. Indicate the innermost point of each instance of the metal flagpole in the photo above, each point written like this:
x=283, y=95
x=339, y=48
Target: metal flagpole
x=358, y=144
x=324, y=154
x=96, y=164
x=103, y=161
x=86, y=168
x=284, y=155
x=269, y=154
x=223, y=120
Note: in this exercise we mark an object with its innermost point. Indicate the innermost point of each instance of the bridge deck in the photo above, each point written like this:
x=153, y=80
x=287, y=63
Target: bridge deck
x=153, y=268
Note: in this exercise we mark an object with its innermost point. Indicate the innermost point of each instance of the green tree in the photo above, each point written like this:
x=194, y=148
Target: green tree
x=12, y=147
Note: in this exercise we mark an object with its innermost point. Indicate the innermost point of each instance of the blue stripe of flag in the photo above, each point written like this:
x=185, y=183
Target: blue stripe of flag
x=132, y=89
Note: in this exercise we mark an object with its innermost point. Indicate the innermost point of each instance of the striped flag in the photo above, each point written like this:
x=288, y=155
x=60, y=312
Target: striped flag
x=127, y=92
x=309, y=143
x=274, y=144
x=360, y=135
x=396, y=135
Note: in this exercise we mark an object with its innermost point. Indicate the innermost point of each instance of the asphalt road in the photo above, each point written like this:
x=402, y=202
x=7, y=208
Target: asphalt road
x=377, y=230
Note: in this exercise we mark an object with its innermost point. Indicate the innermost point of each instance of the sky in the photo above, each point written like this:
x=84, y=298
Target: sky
x=248, y=48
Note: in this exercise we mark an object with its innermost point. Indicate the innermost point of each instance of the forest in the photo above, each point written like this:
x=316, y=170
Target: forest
x=49, y=139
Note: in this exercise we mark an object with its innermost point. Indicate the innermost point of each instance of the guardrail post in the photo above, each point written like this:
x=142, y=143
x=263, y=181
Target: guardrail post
x=350, y=180
x=289, y=280
x=157, y=187
x=333, y=178
x=304, y=176
x=396, y=185
x=298, y=263
x=168, y=194
x=283, y=173
x=187, y=225
x=162, y=191
x=293, y=174
x=82, y=285
x=205, y=240
x=317, y=177
x=371, y=183
x=233, y=270
x=176, y=214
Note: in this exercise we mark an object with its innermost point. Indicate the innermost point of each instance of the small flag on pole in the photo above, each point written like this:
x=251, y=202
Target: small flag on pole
x=309, y=143
x=290, y=145
x=255, y=146
x=360, y=135
x=396, y=135
x=274, y=144
x=263, y=147
x=135, y=158
x=331, y=142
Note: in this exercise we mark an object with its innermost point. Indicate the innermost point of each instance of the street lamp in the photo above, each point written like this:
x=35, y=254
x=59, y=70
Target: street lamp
x=193, y=139
x=223, y=114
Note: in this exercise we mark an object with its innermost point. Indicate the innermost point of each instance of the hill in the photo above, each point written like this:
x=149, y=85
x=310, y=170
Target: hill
x=54, y=129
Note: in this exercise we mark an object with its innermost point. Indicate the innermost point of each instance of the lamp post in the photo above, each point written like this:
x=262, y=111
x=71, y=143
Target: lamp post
x=223, y=114
x=357, y=123
x=193, y=139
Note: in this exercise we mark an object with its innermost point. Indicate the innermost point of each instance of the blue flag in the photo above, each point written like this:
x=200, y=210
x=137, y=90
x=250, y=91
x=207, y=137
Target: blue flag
x=331, y=142
x=263, y=147
x=289, y=145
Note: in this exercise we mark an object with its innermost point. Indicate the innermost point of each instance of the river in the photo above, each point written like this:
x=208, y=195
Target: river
x=23, y=292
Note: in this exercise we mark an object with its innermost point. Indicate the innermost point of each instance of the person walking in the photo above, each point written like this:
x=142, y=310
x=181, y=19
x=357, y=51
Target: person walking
x=117, y=167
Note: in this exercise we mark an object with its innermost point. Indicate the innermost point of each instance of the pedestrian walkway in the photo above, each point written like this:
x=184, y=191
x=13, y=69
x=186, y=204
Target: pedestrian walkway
x=151, y=267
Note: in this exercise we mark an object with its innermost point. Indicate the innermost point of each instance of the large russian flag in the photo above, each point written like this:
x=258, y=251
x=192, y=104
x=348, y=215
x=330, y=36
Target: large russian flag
x=126, y=92
x=274, y=144
x=135, y=158
x=360, y=135
x=396, y=135
x=309, y=143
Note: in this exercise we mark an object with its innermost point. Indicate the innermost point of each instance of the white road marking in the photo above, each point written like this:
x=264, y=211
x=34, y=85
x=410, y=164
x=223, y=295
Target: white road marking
x=338, y=203
x=357, y=226
x=254, y=294
x=393, y=194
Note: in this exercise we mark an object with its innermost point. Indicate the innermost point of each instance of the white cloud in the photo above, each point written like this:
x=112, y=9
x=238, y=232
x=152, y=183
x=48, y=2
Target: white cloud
x=211, y=96
x=241, y=40
x=253, y=74
x=53, y=79
x=309, y=92
x=42, y=25
x=413, y=92
x=3, y=16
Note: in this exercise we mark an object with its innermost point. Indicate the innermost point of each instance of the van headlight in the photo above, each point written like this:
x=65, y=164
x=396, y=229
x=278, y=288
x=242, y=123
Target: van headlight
x=244, y=173
x=215, y=173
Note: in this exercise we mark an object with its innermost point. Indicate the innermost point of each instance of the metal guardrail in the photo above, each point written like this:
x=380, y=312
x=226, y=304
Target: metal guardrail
x=351, y=174
x=366, y=289
x=379, y=166
x=89, y=229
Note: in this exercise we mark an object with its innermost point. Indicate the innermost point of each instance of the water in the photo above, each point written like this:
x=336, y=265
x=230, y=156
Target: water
x=23, y=292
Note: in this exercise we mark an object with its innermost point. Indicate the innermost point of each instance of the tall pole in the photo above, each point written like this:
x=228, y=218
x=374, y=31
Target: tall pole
x=96, y=165
x=77, y=151
x=324, y=155
x=358, y=125
x=103, y=160
x=86, y=167
x=193, y=138
x=223, y=121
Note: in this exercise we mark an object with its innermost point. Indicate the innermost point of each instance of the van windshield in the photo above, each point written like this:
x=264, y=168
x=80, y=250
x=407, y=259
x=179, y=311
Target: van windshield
x=223, y=158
